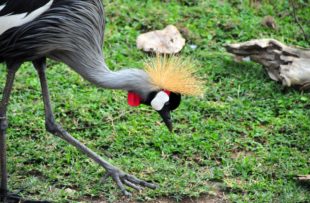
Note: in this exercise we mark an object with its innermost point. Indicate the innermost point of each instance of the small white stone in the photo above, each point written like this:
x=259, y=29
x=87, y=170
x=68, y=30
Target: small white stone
x=247, y=59
x=193, y=46
x=69, y=191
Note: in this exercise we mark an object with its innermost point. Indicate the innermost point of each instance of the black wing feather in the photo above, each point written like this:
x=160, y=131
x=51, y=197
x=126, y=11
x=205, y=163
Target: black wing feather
x=20, y=6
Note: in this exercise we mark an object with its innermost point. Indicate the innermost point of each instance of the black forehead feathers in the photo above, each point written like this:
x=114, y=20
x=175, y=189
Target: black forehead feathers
x=174, y=101
x=150, y=97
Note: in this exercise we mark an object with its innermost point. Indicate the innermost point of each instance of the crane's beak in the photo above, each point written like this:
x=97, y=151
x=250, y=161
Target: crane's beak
x=165, y=114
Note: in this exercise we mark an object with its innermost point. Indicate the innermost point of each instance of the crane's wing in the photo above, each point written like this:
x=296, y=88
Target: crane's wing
x=14, y=13
x=53, y=28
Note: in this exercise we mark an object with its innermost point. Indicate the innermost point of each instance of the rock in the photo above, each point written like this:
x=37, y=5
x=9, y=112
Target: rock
x=269, y=21
x=185, y=33
x=166, y=41
x=70, y=191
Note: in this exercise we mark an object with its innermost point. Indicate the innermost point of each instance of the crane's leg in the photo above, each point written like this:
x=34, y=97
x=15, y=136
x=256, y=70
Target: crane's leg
x=12, y=68
x=118, y=176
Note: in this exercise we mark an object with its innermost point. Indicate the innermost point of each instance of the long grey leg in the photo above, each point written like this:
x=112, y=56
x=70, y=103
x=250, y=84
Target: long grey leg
x=12, y=68
x=118, y=176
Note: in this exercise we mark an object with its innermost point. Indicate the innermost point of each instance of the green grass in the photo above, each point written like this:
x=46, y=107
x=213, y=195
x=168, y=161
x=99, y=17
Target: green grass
x=244, y=141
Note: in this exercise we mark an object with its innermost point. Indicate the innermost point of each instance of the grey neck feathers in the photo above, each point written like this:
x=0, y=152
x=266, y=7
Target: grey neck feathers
x=135, y=80
x=94, y=69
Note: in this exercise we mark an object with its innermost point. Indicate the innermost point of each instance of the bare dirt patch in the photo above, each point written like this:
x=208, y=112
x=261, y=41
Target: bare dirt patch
x=202, y=199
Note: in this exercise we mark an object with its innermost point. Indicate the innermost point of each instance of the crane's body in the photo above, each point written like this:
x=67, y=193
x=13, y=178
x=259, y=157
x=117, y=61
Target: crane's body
x=72, y=32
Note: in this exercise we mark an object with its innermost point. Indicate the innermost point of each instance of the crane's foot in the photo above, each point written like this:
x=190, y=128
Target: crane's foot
x=121, y=178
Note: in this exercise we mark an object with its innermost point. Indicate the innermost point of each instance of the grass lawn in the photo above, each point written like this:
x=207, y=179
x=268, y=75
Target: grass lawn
x=244, y=141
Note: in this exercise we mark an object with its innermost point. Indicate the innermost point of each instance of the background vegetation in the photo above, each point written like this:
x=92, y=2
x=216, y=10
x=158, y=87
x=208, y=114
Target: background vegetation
x=244, y=141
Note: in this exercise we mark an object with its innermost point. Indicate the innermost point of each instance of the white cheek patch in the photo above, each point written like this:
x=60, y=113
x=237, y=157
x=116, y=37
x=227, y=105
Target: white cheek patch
x=159, y=100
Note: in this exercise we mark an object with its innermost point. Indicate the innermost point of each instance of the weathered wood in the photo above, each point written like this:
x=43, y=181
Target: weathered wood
x=290, y=65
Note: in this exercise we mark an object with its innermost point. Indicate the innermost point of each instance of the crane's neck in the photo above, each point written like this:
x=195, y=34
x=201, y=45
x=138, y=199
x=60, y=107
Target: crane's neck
x=135, y=80
x=96, y=71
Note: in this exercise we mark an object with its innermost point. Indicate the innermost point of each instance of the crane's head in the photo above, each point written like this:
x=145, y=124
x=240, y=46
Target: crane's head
x=172, y=77
x=162, y=101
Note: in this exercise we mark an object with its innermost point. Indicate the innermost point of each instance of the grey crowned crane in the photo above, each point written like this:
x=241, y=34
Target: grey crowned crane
x=72, y=32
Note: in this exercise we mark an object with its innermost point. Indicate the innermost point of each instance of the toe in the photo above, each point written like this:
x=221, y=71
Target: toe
x=141, y=182
x=132, y=185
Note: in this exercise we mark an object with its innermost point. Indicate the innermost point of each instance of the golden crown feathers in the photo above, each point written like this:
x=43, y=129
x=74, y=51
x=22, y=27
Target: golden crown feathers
x=175, y=74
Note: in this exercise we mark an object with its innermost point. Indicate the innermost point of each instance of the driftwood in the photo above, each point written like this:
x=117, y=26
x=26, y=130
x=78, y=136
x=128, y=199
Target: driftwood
x=289, y=65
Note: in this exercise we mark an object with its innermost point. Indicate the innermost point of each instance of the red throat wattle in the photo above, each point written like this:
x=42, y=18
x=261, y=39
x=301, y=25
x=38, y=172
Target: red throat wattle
x=167, y=92
x=133, y=99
